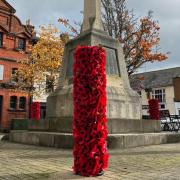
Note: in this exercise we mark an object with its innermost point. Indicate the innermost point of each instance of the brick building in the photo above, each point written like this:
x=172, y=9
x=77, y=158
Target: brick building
x=14, y=38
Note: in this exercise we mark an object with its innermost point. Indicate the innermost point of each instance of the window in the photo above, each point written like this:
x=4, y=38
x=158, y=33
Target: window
x=162, y=106
x=1, y=72
x=159, y=94
x=21, y=44
x=43, y=110
x=179, y=112
x=13, y=73
x=22, y=103
x=13, y=102
x=1, y=39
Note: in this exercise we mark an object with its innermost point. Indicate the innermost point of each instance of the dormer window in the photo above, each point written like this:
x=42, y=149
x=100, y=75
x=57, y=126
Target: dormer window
x=21, y=44
x=1, y=39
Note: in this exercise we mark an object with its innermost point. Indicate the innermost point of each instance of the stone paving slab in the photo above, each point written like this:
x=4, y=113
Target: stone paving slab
x=161, y=162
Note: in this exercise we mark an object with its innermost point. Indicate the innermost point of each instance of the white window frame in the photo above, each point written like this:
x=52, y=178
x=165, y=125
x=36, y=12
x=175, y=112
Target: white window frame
x=159, y=94
x=1, y=72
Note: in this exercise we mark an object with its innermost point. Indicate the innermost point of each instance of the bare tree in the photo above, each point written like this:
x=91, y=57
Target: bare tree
x=139, y=36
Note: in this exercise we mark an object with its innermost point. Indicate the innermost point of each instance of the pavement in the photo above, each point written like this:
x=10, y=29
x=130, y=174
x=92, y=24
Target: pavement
x=160, y=162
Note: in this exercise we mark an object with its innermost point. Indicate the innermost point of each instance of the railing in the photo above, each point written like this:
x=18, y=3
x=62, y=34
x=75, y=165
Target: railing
x=170, y=123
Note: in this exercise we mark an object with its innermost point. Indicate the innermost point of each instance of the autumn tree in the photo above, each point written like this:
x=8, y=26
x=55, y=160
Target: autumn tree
x=139, y=37
x=40, y=70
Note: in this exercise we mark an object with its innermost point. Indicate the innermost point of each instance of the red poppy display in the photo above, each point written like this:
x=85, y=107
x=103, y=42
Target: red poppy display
x=154, y=109
x=89, y=119
x=35, y=111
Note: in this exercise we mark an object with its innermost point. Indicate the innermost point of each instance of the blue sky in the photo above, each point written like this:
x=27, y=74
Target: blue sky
x=165, y=11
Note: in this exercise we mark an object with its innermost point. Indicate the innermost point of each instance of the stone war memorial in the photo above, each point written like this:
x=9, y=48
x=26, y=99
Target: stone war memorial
x=126, y=127
x=123, y=105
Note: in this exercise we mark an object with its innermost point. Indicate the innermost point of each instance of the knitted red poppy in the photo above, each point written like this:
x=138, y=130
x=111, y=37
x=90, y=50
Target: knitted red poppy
x=89, y=121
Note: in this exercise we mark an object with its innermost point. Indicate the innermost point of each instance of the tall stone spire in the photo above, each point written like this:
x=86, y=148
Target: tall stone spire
x=92, y=15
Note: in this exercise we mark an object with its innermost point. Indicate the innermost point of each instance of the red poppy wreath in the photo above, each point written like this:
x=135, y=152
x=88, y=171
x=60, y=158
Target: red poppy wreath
x=89, y=120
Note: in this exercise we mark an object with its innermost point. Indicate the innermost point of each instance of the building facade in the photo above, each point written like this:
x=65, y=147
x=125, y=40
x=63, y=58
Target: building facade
x=163, y=85
x=15, y=38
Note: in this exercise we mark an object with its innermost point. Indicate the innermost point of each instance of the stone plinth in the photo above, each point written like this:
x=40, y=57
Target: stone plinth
x=115, y=126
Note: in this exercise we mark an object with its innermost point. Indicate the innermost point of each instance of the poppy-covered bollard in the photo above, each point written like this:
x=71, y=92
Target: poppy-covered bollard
x=35, y=111
x=89, y=120
x=154, y=109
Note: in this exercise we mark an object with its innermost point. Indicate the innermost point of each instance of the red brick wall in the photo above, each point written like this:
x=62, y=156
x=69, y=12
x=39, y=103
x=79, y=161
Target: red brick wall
x=4, y=19
x=8, y=42
x=7, y=115
x=8, y=65
x=12, y=30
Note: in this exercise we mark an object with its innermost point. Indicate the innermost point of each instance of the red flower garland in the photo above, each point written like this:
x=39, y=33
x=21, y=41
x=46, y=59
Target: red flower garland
x=89, y=121
x=154, y=109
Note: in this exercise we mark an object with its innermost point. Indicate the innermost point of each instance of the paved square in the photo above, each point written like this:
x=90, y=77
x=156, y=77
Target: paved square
x=31, y=162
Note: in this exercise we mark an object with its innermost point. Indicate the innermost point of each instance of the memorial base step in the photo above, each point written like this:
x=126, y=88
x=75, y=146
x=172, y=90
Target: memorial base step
x=115, y=141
